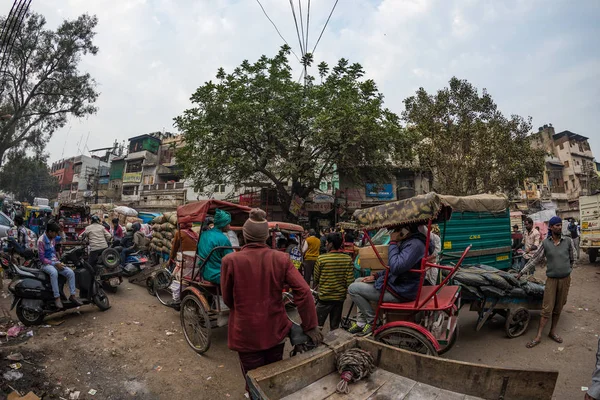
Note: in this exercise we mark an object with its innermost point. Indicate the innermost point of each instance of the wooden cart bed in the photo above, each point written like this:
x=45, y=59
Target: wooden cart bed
x=400, y=375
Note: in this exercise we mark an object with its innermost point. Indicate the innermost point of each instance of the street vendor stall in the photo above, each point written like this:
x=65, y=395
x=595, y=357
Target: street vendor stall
x=75, y=218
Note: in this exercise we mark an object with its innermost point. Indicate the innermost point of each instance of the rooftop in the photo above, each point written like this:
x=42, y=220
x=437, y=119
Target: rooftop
x=570, y=135
x=144, y=137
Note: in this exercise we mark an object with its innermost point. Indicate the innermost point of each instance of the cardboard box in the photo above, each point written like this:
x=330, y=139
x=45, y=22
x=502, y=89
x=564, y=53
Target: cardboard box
x=369, y=260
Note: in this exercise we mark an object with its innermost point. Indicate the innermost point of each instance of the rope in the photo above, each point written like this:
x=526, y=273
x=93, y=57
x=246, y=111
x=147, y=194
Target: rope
x=353, y=365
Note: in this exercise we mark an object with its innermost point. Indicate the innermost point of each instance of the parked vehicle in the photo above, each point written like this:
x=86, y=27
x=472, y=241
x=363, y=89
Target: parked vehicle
x=32, y=291
x=75, y=218
x=5, y=224
x=589, y=208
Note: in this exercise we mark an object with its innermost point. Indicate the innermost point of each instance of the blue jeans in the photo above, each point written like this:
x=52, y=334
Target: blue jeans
x=66, y=272
x=124, y=253
x=362, y=294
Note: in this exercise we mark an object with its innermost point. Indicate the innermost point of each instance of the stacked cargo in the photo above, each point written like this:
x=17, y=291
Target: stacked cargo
x=163, y=231
x=483, y=281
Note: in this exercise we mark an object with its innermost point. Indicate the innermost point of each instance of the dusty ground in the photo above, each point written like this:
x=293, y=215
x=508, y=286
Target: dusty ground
x=128, y=352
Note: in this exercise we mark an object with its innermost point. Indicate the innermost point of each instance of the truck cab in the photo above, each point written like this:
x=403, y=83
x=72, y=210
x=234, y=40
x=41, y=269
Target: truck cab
x=589, y=208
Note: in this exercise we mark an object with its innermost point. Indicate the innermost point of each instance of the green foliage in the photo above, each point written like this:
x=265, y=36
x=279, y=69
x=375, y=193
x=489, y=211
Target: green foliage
x=257, y=123
x=468, y=144
x=42, y=86
x=27, y=177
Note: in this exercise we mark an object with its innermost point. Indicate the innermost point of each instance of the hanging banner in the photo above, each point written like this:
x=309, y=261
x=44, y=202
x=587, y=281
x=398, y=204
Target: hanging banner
x=323, y=198
x=380, y=191
x=296, y=205
x=353, y=205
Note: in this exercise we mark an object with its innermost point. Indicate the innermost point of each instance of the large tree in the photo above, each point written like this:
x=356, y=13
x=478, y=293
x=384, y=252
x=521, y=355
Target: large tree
x=27, y=177
x=40, y=85
x=258, y=123
x=468, y=144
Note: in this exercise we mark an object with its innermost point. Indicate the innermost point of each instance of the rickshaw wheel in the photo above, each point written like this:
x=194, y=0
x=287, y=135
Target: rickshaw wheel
x=407, y=339
x=451, y=343
x=195, y=323
x=517, y=322
x=150, y=286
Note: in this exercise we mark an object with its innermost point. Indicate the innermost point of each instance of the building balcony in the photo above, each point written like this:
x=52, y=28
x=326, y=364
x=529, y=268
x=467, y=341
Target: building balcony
x=141, y=155
x=559, y=195
x=164, y=187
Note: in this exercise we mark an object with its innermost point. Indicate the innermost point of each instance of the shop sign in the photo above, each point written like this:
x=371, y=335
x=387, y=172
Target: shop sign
x=324, y=222
x=353, y=205
x=380, y=191
x=132, y=177
x=323, y=198
x=250, y=199
x=323, y=208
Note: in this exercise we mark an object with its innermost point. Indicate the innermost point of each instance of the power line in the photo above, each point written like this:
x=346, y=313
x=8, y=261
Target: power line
x=12, y=29
x=302, y=27
x=275, y=26
x=297, y=30
x=325, y=26
x=307, y=24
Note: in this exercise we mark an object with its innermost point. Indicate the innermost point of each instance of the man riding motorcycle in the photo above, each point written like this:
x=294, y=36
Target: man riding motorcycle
x=134, y=241
x=98, y=238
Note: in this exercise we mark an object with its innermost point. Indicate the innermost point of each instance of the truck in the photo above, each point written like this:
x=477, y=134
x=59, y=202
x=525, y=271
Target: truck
x=589, y=209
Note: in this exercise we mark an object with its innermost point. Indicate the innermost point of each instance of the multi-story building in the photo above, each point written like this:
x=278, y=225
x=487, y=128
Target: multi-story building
x=78, y=177
x=568, y=172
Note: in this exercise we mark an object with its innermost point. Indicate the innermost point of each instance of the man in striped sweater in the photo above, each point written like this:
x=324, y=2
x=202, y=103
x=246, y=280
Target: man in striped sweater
x=333, y=274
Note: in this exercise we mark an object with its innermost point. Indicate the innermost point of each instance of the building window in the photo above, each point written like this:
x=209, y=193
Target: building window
x=576, y=162
x=566, y=164
x=77, y=169
x=134, y=166
x=148, y=179
x=566, y=184
x=129, y=190
x=561, y=146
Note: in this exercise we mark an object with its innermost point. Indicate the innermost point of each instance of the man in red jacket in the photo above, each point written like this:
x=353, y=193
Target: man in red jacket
x=252, y=282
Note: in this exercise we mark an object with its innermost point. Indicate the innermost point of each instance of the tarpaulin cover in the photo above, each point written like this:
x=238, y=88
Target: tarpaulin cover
x=197, y=211
x=422, y=208
x=418, y=209
x=477, y=203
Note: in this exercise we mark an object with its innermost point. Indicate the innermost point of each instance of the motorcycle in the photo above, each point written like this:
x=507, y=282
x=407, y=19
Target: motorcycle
x=133, y=263
x=12, y=252
x=32, y=291
x=109, y=270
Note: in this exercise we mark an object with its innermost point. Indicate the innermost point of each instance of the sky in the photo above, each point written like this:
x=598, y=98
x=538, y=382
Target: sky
x=538, y=58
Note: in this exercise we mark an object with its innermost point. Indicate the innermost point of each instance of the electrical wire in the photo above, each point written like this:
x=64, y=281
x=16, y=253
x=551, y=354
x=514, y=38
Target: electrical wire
x=18, y=21
x=275, y=26
x=302, y=27
x=8, y=29
x=307, y=24
x=325, y=26
x=297, y=30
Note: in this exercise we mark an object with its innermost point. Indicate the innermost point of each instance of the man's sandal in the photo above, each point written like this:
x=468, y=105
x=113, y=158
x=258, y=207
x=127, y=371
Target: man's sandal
x=533, y=343
x=556, y=338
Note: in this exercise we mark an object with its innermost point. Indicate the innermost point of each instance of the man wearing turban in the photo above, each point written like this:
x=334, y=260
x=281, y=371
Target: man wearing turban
x=215, y=237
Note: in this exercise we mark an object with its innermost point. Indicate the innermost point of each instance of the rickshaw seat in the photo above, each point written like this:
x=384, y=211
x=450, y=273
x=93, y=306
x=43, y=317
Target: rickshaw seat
x=446, y=298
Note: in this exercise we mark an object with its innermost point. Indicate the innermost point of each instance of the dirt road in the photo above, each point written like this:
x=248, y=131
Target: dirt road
x=136, y=350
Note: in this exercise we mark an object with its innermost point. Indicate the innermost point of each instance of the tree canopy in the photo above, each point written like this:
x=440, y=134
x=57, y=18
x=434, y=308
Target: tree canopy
x=259, y=124
x=468, y=144
x=41, y=84
x=27, y=177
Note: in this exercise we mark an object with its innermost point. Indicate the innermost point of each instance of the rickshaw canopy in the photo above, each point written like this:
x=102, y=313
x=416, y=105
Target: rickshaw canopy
x=285, y=227
x=422, y=208
x=197, y=211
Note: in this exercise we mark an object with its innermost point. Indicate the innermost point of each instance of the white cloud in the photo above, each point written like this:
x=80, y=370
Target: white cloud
x=534, y=57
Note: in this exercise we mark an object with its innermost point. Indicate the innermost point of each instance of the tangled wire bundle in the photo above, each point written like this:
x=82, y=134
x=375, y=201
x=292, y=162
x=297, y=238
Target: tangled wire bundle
x=353, y=365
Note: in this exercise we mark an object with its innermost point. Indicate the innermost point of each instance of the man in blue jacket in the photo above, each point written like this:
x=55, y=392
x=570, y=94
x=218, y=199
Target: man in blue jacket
x=406, y=250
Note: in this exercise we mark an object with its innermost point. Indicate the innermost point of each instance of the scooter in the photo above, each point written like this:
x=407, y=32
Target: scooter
x=109, y=270
x=133, y=264
x=32, y=291
x=11, y=249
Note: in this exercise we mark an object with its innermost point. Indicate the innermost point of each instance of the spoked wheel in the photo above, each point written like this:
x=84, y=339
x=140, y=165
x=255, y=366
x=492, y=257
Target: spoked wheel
x=150, y=286
x=517, y=322
x=407, y=339
x=195, y=323
x=161, y=287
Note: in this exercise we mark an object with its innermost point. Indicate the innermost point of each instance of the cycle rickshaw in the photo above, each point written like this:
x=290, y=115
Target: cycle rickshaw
x=201, y=307
x=427, y=325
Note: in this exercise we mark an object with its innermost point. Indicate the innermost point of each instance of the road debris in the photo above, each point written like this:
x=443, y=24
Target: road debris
x=16, y=366
x=92, y=392
x=12, y=375
x=15, y=357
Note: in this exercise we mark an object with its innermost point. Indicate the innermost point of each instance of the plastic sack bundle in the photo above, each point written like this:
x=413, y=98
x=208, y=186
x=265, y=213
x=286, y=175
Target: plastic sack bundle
x=497, y=281
x=517, y=292
x=534, y=289
x=470, y=279
x=492, y=291
x=510, y=278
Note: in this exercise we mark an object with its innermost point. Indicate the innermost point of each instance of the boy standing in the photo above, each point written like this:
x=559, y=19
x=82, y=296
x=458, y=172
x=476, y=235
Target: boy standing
x=333, y=274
